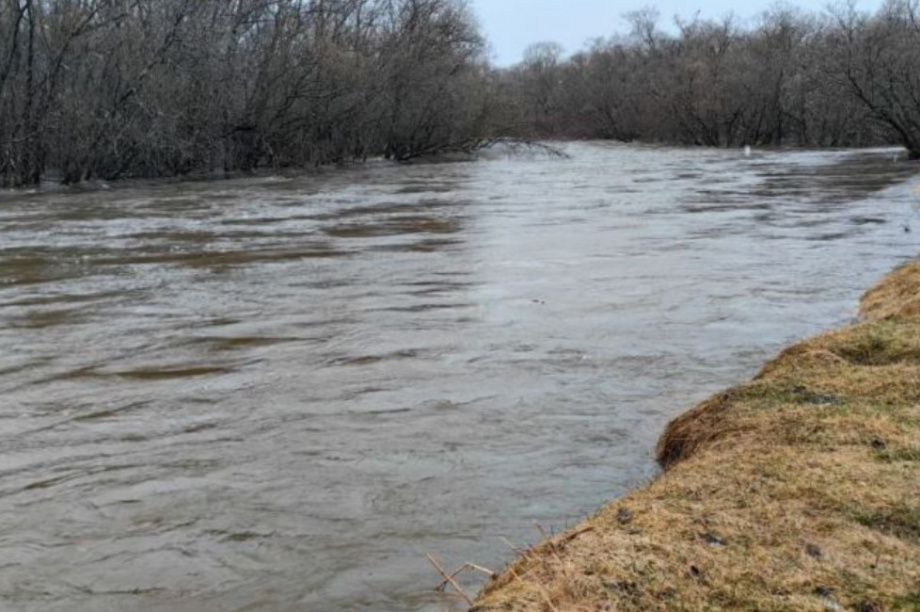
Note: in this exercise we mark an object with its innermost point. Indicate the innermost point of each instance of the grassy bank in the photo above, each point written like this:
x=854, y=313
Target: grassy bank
x=799, y=490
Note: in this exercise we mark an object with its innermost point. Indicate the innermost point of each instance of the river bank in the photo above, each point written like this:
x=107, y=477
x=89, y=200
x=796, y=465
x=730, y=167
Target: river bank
x=796, y=491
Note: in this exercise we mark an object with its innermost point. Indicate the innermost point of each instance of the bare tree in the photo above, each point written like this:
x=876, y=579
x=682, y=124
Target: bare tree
x=877, y=59
x=113, y=88
x=792, y=79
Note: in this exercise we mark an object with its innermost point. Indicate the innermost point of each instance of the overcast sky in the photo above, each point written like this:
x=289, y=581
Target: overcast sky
x=511, y=25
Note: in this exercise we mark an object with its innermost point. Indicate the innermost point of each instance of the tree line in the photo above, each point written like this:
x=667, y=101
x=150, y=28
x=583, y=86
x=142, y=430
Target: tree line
x=102, y=89
x=844, y=78
x=109, y=88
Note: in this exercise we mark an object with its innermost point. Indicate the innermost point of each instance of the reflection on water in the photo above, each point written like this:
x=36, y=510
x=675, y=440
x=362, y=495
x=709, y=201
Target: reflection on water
x=279, y=394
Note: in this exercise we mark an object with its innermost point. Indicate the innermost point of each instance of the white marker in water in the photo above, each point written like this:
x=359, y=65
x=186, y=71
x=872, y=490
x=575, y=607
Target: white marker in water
x=747, y=151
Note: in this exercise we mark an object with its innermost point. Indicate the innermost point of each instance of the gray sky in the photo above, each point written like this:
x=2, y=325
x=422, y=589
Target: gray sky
x=511, y=25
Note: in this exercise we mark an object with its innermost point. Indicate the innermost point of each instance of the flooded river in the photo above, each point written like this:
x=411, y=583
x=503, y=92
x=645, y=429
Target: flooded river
x=279, y=394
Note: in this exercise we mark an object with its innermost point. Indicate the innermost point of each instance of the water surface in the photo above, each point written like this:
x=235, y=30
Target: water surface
x=278, y=394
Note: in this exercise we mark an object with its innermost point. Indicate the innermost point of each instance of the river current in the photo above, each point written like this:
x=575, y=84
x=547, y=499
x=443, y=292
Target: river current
x=280, y=393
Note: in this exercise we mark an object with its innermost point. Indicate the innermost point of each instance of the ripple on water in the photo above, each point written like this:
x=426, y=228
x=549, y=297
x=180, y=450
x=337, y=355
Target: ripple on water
x=278, y=393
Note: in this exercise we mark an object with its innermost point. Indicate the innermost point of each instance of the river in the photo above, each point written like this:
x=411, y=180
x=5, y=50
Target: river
x=280, y=393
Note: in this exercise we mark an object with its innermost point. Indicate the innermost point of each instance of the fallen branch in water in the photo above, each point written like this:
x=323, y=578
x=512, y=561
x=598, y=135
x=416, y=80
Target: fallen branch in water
x=450, y=579
x=519, y=146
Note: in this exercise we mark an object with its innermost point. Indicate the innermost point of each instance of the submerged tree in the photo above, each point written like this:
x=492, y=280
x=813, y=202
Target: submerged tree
x=793, y=79
x=111, y=88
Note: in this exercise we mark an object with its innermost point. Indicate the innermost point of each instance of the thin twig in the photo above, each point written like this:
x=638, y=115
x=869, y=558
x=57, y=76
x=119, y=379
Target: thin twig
x=482, y=570
x=551, y=546
x=575, y=534
x=465, y=567
x=446, y=582
x=519, y=551
x=449, y=579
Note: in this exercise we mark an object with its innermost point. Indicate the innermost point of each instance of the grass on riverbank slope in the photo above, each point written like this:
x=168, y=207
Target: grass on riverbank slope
x=797, y=491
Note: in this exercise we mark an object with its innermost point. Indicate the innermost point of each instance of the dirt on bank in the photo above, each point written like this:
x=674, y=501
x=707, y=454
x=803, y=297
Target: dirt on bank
x=799, y=490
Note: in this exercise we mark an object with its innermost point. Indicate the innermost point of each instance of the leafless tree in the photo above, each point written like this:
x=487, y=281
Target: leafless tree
x=111, y=88
x=794, y=78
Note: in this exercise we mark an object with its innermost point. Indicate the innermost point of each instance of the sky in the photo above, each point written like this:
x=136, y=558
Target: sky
x=512, y=25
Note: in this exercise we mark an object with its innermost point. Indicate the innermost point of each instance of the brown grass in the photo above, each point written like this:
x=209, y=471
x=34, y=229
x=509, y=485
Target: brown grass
x=799, y=490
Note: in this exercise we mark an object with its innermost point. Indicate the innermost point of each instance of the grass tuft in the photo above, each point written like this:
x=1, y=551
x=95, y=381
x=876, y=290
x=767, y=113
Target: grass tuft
x=908, y=603
x=901, y=520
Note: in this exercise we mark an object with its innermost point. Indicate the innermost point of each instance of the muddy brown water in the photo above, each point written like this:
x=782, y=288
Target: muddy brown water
x=279, y=394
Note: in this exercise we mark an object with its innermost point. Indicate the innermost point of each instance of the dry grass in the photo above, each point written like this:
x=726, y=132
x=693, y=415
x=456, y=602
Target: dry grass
x=797, y=491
